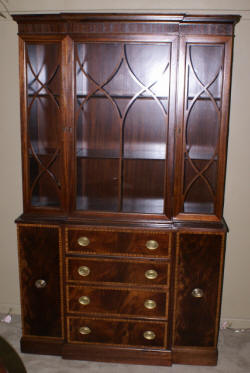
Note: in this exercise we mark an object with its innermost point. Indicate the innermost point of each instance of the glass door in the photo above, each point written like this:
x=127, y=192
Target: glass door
x=43, y=93
x=204, y=125
x=121, y=116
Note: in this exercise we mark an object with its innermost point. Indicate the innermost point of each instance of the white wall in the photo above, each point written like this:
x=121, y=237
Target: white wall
x=236, y=300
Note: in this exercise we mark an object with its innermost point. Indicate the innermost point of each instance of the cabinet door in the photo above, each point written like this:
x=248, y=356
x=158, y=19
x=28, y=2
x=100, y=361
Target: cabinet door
x=203, y=106
x=41, y=108
x=122, y=115
x=198, y=282
x=39, y=257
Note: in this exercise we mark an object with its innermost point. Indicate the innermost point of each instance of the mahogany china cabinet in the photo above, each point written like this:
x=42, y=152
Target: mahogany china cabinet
x=124, y=123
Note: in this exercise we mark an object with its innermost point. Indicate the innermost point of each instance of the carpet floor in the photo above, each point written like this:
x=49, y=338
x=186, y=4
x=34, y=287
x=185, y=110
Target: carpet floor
x=234, y=357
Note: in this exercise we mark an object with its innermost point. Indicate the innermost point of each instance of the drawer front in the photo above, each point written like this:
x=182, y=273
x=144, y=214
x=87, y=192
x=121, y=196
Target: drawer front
x=114, y=271
x=97, y=241
x=84, y=299
x=130, y=333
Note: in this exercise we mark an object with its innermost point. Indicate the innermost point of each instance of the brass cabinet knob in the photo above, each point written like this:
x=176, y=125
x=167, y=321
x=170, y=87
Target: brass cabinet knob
x=151, y=274
x=83, y=271
x=84, y=330
x=39, y=284
x=197, y=293
x=84, y=301
x=83, y=241
x=150, y=304
x=149, y=335
x=152, y=244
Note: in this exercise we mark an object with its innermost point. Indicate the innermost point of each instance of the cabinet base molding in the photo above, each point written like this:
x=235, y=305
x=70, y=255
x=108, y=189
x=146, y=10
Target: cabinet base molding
x=113, y=354
x=43, y=346
x=122, y=355
x=195, y=355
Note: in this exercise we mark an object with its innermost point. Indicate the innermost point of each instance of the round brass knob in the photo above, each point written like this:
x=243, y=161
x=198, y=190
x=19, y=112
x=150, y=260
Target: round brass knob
x=83, y=241
x=197, y=293
x=84, y=300
x=149, y=335
x=39, y=284
x=83, y=271
x=152, y=244
x=150, y=304
x=151, y=274
x=85, y=330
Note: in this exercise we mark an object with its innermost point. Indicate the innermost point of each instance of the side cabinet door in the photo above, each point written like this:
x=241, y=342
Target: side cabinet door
x=39, y=257
x=199, y=270
x=202, y=125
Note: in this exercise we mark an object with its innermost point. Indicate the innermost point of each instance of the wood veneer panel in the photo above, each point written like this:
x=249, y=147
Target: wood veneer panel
x=106, y=241
x=198, y=265
x=116, y=332
x=39, y=257
x=113, y=301
x=113, y=271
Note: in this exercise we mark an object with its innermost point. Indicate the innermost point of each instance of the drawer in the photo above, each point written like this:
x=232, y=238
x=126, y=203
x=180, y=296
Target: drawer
x=122, y=242
x=147, y=273
x=89, y=299
x=119, y=332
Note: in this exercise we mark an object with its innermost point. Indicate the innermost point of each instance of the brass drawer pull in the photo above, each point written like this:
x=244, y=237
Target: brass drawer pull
x=84, y=301
x=152, y=245
x=83, y=241
x=84, y=330
x=39, y=284
x=149, y=335
x=150, y=304
x=151, y=274
x=83, y=271
x=197, y=293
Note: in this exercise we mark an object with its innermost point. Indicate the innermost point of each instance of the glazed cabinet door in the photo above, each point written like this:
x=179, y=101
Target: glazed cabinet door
x=124, y=99
x=202, y=120
x=42, y=124
x=198, y=283
x=40, y=280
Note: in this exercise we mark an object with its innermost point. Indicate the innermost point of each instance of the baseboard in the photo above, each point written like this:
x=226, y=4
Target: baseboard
x=236, y=323
x=12, y=308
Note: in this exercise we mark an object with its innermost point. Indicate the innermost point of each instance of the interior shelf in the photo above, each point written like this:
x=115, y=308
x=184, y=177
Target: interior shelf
x=142, y=96
x=201, y=152
x=136, y=205
x=198, y=208
x=111, y=154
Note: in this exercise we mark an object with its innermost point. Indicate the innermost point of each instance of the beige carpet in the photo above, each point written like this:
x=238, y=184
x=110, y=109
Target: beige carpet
x=234, y=357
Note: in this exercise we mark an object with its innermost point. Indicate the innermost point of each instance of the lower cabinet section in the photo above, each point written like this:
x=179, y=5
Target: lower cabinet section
x=145, y=309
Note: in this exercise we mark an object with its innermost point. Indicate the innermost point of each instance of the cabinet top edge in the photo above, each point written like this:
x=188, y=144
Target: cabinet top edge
x=127, y=17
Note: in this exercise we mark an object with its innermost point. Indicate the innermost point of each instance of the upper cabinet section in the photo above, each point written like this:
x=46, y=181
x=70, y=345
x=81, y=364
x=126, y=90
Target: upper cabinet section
x=125, y=114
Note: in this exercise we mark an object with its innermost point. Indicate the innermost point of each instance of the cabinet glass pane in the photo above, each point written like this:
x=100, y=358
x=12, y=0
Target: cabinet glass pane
x=43, y=99
x=143, y=185
x=204, y=72
x=122, y=95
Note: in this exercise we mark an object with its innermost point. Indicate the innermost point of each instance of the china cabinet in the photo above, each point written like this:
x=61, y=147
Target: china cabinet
x=124, y=123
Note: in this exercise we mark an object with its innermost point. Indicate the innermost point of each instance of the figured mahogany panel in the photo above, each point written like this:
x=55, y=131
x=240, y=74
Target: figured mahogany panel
x=117, y=271
x=39, y=255
x=113, y=242
x=116, y=332
x=116, y=301
x=199, y=264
